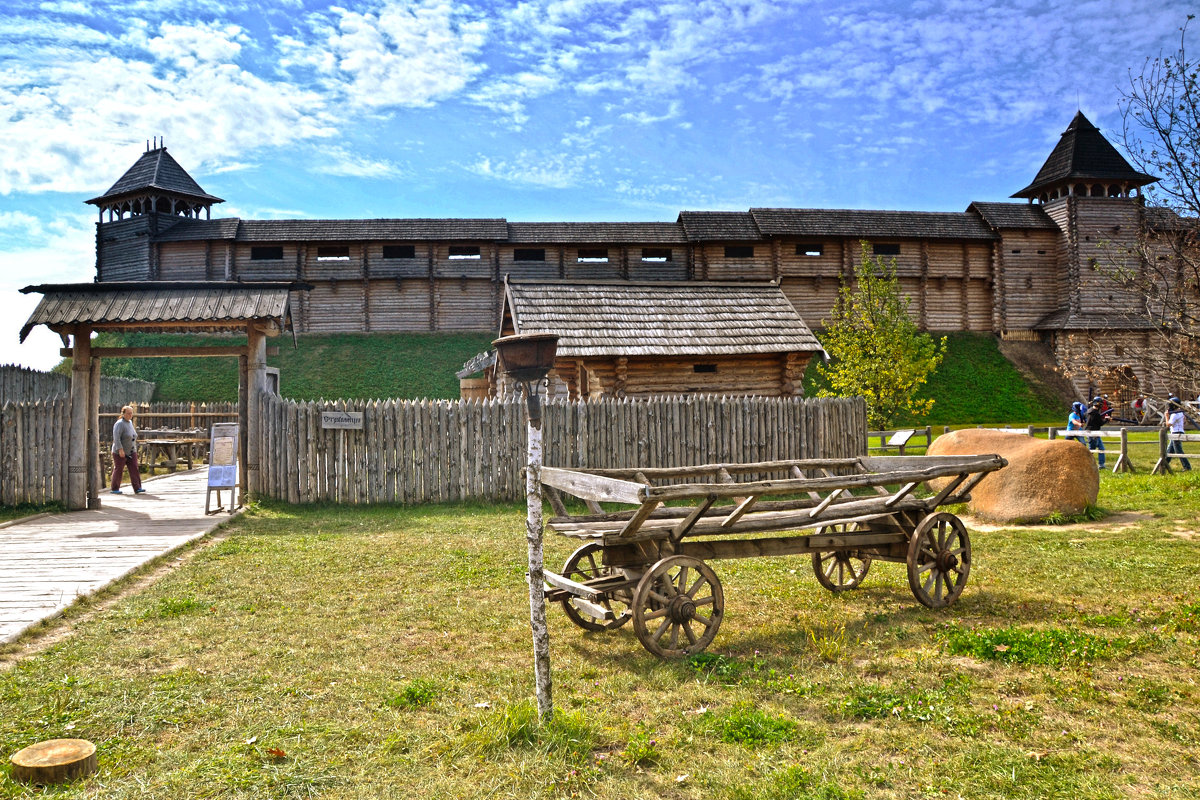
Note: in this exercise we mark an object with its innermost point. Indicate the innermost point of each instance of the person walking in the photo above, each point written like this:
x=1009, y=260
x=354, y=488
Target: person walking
x=1094, y=422
x=1176, y=421
x=124, y=452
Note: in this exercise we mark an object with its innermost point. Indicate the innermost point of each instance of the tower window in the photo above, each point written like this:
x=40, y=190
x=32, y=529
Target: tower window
x=884, y=249
x=272, y=253
x=529, y=254
x=333, y=253
x=464, y=252
x=811, y=249
x=739, y=251
x=704, y=368
x=399, y=251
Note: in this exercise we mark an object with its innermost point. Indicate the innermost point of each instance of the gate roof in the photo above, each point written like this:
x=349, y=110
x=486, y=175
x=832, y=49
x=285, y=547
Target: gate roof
x=162, y=306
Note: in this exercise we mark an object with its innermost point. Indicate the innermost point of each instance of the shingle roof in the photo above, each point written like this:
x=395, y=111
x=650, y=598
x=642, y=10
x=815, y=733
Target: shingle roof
x=344, y=230
x=225, y=305
x=187, y=230
x=1013, y=215
x=1083, y=153
x=156, y=169
x=611, y=318
x=598, y=232
x=700, y=226
x=818, y=222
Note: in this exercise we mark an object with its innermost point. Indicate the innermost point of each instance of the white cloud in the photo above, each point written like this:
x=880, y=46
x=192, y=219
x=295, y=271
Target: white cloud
x=556, y=171
x=341, y=161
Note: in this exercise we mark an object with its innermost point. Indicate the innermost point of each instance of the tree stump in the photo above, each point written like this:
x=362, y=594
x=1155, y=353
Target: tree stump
x=55, y=761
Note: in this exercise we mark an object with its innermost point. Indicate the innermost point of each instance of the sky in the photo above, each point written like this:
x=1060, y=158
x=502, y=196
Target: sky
x=539, y=110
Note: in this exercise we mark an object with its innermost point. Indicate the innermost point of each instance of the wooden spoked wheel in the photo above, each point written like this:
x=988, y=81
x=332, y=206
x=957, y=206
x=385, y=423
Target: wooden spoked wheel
x=840, y=570
x=677, y=607
x=584, y=565
x=939, y=559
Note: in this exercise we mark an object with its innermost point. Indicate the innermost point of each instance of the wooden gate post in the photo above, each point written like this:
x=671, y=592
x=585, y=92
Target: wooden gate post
x=78, y=467
x=95, y=473
x=537, y=577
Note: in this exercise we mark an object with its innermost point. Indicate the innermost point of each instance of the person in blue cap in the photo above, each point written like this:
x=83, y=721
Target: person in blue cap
x=1075, y=420
x=1096, y=417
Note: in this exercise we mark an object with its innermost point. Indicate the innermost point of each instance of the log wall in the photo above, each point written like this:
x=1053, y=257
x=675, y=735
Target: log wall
x=438, y=451
x=1030, y=287
x=123, y=250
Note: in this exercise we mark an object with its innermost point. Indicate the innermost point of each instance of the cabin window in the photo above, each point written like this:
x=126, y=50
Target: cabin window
x=656, y=254
x=739, y=251
x=883, y=249
x=464, y=252
x=704, y=368
x=266, y=253
x=399, y=251
x=592, y=255
x=333, y=253
x=1016, y=252
x=1041, y=252
x=811, y=249
x=529, y=254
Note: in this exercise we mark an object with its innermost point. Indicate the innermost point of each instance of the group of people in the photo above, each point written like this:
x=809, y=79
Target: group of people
x=1093, y=416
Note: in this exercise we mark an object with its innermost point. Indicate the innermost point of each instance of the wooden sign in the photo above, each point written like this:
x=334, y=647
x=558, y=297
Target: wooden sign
x=342, y=420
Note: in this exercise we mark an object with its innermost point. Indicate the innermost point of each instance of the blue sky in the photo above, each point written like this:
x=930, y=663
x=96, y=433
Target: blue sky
x=539, y=110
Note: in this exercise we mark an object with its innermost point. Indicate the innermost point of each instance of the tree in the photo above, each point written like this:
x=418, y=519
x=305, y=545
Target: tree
x=1161, y=114
x=876, y=349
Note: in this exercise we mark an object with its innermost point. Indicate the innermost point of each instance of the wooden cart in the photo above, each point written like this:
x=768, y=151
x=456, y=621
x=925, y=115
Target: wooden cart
x=649, y=564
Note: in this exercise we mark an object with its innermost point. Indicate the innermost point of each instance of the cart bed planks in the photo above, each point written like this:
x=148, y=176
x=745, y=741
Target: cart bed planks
x=648, y=563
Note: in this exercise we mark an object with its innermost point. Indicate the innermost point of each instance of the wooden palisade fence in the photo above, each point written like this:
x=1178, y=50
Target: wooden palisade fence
x=22, y=385
x=33, y=451
x=430, y=451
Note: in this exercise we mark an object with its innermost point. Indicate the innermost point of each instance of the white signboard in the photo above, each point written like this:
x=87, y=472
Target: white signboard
x=343, y=420
x=223, y=454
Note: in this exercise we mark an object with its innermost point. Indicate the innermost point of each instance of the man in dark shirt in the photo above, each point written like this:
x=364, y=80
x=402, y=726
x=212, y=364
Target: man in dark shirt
x=1096, y=417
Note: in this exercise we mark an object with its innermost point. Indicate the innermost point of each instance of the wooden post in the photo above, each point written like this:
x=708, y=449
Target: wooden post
x=95, y=474
x=77, y=448
x=533, y=537
x=1123, y=464
x=256, y=377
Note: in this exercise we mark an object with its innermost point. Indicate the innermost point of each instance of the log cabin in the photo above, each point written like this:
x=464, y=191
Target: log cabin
x=1027, y=271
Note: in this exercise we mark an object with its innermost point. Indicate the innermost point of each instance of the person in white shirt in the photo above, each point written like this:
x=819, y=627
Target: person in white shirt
x=1175, y=421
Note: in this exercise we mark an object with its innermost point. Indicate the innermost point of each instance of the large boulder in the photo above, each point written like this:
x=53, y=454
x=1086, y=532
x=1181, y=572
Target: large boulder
x=1043, y=477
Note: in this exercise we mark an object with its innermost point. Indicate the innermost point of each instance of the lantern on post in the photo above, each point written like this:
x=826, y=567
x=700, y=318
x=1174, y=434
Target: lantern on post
x=527, y=359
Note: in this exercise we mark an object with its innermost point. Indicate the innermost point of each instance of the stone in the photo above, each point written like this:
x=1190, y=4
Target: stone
x=1043, y=477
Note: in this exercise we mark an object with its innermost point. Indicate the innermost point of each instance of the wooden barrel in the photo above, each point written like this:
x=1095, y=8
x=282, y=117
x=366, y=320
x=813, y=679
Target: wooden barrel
x=473, y=388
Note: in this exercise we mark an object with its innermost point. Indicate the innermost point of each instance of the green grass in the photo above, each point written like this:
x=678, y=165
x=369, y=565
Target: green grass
x=385, y=652
x=975, y=384
x=331, y=366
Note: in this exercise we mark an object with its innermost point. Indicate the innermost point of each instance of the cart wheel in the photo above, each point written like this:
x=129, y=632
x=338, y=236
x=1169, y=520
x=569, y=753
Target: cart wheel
x=939, y=558
x=677, y=607
x=583, y=566
x=840, y=570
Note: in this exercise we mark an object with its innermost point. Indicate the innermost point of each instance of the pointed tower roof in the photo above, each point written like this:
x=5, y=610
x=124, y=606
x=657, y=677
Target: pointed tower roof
x=156, y=171
x=1083, y=154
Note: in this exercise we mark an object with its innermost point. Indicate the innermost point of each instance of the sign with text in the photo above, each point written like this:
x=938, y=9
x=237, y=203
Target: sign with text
x=342, y=420
x=223, y=456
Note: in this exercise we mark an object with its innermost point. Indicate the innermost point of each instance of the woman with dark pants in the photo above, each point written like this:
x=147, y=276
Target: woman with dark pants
x=124, y=452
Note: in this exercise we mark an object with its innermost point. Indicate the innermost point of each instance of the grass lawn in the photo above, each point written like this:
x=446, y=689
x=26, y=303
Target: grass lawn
x=384, y=652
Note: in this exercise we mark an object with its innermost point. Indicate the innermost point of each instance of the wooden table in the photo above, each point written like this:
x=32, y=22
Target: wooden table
x=171, y=449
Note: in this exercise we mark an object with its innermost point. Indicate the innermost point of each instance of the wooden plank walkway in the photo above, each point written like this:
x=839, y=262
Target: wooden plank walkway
x=48, y=562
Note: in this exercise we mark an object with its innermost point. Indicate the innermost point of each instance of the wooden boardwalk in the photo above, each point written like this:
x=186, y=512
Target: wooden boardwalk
x=48, y=562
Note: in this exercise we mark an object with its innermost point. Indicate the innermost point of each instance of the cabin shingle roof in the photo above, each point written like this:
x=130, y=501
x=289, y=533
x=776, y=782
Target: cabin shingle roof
x=616, y=318
x=598, y=232
x=1082, y=153
x=345, y=230
x=222, y=304
x=156, y=169
x=1013, y=215
x=819, y=222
